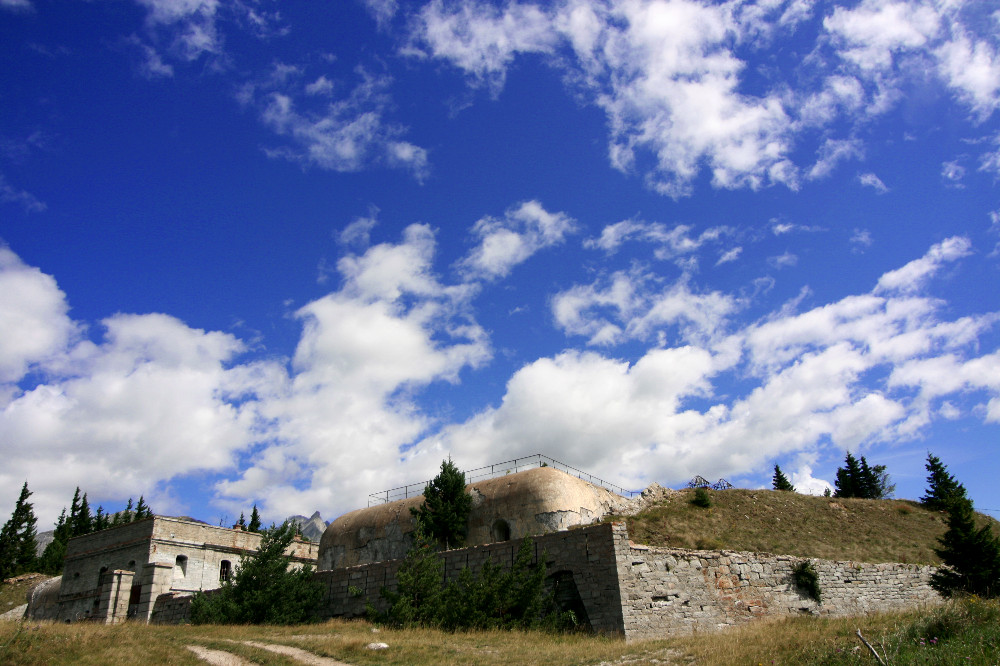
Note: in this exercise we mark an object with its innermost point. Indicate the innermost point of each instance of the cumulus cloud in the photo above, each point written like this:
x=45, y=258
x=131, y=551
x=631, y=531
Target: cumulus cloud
x=628, y=306
x=34, y=321
x=159, y=401
x=508, y=241
x=840, y=375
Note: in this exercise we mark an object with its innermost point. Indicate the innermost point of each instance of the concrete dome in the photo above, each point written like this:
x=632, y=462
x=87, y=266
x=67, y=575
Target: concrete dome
x=537, y=501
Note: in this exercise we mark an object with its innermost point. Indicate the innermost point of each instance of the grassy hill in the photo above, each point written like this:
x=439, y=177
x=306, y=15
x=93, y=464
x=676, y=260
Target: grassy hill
x=793, y=524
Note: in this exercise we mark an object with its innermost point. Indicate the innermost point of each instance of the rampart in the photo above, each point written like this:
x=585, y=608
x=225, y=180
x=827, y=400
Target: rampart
x=642, y=592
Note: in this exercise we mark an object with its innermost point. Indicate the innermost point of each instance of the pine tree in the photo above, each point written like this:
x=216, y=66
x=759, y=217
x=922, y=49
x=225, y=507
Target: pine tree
x=17, y=538
x=972, y=555
x=942, y=487
x=142, y=510
x=263, y=589
x=859, y=479
x=780, y=481
x=54, y=554
x=242, y=522
x=82, y=522
x=443, y=516
x=254, y=525
x=129, y=513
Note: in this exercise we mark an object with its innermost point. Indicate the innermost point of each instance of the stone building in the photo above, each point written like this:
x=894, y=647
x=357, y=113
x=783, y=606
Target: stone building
x=529, y=503
x=133, y=570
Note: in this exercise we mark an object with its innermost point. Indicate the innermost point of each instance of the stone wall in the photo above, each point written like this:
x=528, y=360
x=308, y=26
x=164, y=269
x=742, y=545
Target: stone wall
x=669, y=591
x=642, y=592
x=583, y=560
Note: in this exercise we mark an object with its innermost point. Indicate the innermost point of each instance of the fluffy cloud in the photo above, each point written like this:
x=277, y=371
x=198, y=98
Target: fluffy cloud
x=672, y=80
x=840, y=374
x=512, y=239
x=34, y=324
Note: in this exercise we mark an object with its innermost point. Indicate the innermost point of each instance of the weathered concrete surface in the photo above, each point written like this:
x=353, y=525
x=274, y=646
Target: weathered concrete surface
x=536, y=501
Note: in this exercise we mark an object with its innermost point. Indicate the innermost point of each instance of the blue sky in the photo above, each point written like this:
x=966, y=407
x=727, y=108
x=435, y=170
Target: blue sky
x=294, y=253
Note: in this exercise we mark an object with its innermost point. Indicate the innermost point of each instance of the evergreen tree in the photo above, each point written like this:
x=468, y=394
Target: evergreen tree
x=54, y=554
x=242, y=522
x=129, y=513
x=780, y=481
x=82, y=522
x=972, y=555
x=101, y=520
x=942, y=487
x=263, y=590
x=17, y=538
x=443, y=516
x=254, y=525
x=142, y=510
x=848, y=481
x=859, y=479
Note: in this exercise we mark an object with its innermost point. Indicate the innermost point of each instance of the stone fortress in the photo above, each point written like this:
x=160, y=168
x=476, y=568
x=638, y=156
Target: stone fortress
x=149, y=570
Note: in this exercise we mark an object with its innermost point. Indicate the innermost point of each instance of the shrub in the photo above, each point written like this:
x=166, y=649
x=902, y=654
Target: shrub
x=701, y=498
x=496, y=598
x=807, y=579
x=262, y=590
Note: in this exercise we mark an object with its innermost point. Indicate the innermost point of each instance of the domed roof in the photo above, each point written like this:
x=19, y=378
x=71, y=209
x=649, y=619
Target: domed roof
x=536, y=501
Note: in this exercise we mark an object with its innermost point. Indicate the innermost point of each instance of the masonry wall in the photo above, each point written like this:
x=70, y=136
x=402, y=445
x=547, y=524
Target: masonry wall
x=670, y=591
x=583, y=559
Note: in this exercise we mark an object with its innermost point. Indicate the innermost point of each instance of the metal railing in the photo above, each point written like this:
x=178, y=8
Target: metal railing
x=496, y=470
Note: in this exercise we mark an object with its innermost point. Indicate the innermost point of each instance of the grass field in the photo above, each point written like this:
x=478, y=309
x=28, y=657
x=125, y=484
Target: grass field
x=962, y=632
x=793, y=524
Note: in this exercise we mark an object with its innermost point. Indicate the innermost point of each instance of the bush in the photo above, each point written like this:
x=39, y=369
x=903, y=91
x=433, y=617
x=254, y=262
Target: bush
x=262, y=590
x=807, y=579
x=496, y=598
x=701, y=498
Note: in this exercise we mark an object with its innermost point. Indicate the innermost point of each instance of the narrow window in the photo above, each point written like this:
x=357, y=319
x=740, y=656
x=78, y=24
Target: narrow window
x=180, y=566
x=224, y=570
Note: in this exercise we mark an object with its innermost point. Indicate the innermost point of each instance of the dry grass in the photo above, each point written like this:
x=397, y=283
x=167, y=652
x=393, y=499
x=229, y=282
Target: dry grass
x=793, y=524
x=14, y=594
x=969, y=633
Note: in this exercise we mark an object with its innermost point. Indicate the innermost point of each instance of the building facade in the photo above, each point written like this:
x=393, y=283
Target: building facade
x=126, y=571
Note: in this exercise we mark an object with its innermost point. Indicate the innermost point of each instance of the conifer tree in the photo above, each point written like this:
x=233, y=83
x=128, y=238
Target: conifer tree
x=972, y=555
x=82, y=522
x=254, y=525
x=242, y=522
x=55, y=553
x=443, y=516
x=859, y=479
x=17, y=538
x=780, y=481
x=142, y=510
x=942, y=487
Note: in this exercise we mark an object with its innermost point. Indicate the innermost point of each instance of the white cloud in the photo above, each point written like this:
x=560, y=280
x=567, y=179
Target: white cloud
x=508, y=241
x=872, y=181
x=671, y=243
x=831, y=153
x=861, y=239
x=972, y=67
x=785, y=260
x=915, y=274
x=28, y=201
x=629, y=306
x=382, y=10
x=348, y=134
x=871, y=33
x=34, y=324
x=953, y=172
x=840, y=373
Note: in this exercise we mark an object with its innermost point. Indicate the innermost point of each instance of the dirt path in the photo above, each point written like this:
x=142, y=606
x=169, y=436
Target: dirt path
x=297, y=654
x=218, y=657
x=223, y=658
